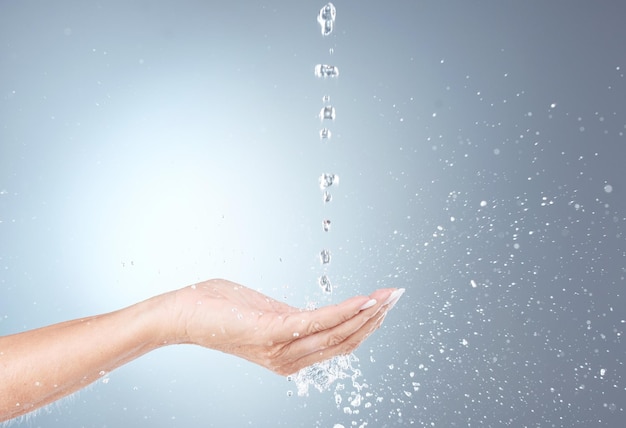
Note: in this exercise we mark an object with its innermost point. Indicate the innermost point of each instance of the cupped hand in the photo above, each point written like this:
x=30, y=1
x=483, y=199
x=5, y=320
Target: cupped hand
x=229, y=317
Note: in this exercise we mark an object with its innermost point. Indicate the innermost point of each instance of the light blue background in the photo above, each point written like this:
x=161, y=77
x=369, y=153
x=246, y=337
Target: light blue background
x=147, y=145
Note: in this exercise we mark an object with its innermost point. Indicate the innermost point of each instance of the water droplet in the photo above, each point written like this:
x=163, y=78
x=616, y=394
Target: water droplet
x=326, y=18
x=327, y=180
x=325, y=259
x=289, y=393
x=326, y=225
x=325, y=70
x=473, y=283
x=239, y=314
x=325, y=283
x=327, y=197
x=327, y=113
x=325, y=134
x=326, y=98
x=483, y=203
x=608, y=188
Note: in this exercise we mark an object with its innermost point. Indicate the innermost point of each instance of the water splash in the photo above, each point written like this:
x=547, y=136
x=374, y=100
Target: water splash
x=322, y=375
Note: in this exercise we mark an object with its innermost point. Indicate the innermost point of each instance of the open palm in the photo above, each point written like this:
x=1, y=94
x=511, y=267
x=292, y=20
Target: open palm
x=229, y=317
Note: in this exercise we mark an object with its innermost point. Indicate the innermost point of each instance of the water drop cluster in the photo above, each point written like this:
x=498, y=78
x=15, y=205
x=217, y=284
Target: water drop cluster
x=327, y=114
x=326, y=19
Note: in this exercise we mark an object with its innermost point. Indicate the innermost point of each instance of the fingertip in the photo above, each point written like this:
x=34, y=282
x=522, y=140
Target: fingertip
x=394, y=296
x=368, y=304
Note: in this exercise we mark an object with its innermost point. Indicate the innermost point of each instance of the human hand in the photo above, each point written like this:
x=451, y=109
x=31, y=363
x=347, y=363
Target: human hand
x=45, y=364
x=229, y=317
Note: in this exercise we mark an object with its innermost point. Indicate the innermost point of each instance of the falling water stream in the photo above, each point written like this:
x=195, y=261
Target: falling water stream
x=322, y=375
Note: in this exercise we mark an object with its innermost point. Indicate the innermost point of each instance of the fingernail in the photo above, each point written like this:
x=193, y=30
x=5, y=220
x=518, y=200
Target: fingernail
x=368, y=304
x=393, y=297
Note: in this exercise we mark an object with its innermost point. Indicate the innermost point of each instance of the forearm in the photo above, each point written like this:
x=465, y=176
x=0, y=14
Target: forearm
x=40, y=366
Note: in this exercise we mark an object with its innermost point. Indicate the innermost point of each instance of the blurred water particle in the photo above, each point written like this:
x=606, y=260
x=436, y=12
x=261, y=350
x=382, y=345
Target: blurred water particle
x=325, y=71
x=326, y=18
x=327, y=113
x=325, y=284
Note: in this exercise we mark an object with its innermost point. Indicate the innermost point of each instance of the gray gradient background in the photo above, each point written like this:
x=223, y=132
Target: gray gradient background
x=148, y=145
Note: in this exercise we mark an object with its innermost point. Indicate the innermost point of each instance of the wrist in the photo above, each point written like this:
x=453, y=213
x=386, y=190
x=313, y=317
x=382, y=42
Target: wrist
x=160, y=315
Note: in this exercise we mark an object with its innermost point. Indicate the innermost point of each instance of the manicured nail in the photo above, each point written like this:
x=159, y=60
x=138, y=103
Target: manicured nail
x=369, y=304
x=393, y=297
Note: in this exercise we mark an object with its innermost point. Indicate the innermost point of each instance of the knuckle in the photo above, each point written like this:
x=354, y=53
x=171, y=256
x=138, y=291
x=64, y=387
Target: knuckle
x=315, y=327
x=275, y=356
x=334, y=340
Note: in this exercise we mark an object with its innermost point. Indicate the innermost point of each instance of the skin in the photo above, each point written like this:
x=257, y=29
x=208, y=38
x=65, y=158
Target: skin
x=40, y=366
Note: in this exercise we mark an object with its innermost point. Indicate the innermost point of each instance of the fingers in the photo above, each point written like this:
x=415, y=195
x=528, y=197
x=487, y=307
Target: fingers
x=343, y=338
x=305, y=323
x=343, y=348
x=339, y=333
